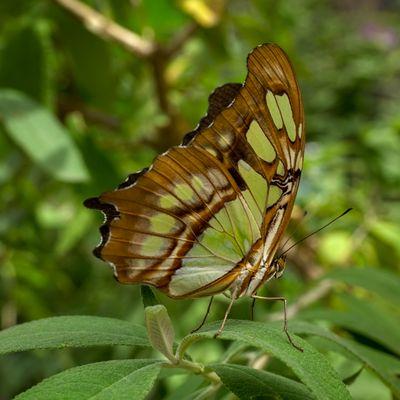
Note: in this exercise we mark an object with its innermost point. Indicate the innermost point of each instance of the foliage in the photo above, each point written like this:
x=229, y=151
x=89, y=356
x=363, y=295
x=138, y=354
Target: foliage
x=79, y=111
x=321, y=377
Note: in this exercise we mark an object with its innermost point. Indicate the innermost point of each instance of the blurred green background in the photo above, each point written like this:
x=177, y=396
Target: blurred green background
x=79, y=111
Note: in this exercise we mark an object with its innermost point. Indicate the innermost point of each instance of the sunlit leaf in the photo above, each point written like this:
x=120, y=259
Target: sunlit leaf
x=71, y=331
x=206, y=13
x=385, y=366
x=310, y=366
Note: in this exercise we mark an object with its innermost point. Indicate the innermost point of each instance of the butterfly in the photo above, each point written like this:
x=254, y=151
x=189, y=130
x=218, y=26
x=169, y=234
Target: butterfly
x=207, y=216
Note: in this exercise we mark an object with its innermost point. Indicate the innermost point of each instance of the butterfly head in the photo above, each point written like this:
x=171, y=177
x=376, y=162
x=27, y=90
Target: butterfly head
x=278, y=265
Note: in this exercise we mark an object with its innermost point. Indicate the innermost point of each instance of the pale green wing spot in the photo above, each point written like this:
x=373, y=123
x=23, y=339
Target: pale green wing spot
x=189, y=279
x=280, y=170
x=259, y=142
x=257, y=185
x=299, y=162
x=215, y=243
x=198, y=184
x=243, y=223
x=274, y=194
x=287, y=115
x=168, y=201
x=162, y=223
x=254, y=209
x=274, y=110
x=184, y=192
x=254, y=224
x=152, y=246
x=300, y=132
x=228, y=217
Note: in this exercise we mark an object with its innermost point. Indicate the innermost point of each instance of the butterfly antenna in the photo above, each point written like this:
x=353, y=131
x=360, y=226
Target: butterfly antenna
x=313, y=233
x=295, y=229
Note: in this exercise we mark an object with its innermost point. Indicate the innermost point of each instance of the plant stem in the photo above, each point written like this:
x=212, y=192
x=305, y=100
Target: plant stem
x=195, y=368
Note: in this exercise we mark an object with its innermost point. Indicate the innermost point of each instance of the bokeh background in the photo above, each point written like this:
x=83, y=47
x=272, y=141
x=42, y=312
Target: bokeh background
x=80, y=109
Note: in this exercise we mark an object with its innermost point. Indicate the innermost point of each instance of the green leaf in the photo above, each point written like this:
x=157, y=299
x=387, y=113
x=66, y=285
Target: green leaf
x=383, y=283
x=383, y=365
x=365, y=317
x=71, y=331
x=310, y=366
x=73, y=231
x=368, y=387
x=41, y=136
x=160, y=330
x=248, y=383
x=188, y=389
x=117, y=379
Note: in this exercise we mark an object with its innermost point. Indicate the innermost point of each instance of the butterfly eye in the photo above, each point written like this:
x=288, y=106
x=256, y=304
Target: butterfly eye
x=279, y=266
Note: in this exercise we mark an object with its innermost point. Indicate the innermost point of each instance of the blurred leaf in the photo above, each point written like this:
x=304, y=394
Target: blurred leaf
x=53, y=212
x=28, y=46
x=162, y=16
x=73, y=231
x=350, y=379
x=368, y=387
x=41, y=136
x=388, y=232
x=188, y=389
x=107, y=380
x=383, y=365
x=310, y=366
x=383, y=283
x=335, y=247
x=365, y=317
x=99, y=162
x=90, y=60
x=160, y=330
x=205, y=12
x=248, y=383
x=71, y=331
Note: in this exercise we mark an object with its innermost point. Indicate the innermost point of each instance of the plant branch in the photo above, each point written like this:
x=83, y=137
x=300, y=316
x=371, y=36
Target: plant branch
x=108, y=29
x=195, y=368
x=157, y=55
x=179, y=40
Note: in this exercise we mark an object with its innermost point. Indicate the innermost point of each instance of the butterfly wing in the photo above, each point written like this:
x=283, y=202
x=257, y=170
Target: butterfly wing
x=184, y=224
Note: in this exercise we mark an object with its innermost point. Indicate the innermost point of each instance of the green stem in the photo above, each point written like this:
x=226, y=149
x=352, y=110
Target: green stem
x=197, y=369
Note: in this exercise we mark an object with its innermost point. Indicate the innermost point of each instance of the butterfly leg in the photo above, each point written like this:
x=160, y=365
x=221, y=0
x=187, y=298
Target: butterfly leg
x=254, y=296
x=205, y=316
x=227, y=312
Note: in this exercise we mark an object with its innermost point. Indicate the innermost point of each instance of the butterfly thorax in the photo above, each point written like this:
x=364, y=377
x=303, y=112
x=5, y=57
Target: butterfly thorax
x=254, y=272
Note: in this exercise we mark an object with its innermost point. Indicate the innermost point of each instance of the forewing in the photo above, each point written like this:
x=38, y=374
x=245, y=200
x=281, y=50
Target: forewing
x=185, y=224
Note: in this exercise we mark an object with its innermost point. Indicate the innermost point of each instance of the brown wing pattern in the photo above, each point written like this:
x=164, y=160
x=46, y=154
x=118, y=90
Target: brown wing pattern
x=158, y=215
